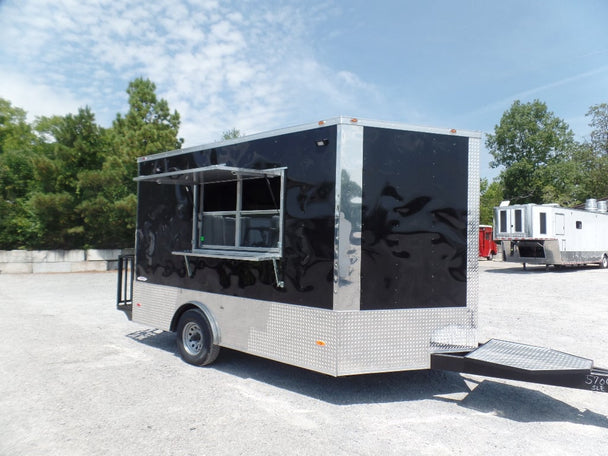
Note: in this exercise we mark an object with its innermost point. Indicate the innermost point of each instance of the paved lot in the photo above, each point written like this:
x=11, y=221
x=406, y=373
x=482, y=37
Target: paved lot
x=77, y=378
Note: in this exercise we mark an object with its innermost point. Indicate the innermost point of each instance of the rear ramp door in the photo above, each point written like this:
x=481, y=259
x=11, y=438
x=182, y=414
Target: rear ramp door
x=515, y=361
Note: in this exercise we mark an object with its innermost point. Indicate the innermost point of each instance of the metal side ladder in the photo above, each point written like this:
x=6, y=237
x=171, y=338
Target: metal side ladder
x=528, y=363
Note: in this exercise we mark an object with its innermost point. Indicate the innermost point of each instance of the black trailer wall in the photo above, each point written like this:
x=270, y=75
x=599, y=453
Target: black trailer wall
x=414, y=233
x=165, y=221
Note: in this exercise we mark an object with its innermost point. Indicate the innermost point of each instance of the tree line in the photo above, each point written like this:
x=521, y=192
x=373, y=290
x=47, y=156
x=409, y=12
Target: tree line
x=66, y=182
x=540, y=160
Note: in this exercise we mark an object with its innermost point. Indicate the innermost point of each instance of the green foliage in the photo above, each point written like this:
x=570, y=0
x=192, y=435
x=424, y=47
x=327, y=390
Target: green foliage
x=532, y=144
x=15, y=133
x=231, y=134
x=529, y=132
x=149, y=127
x=599, y=123
x=65, y=182
x=491, y=195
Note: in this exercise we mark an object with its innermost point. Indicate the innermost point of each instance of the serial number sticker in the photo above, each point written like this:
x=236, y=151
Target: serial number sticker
x=597, y=383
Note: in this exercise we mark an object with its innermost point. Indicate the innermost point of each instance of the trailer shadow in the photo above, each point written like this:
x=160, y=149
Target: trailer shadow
x=526, y=405
x=348, y=390
x=504, y=400
x=156, y=338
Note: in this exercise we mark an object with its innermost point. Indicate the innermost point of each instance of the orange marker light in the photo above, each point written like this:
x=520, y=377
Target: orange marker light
x=320, y=343
x=453, y=130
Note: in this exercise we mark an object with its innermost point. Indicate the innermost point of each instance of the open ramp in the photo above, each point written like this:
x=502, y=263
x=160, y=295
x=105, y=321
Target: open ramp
x=515, y=361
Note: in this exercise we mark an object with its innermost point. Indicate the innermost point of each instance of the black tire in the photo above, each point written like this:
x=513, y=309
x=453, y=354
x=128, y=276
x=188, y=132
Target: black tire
x=195, y=339
x=604, y=262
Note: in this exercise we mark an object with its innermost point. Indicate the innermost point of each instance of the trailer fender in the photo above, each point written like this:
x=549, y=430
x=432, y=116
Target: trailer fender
x=215, y=329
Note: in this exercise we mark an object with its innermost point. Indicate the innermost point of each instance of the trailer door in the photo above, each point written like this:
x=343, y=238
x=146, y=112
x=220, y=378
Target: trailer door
x=560, y=224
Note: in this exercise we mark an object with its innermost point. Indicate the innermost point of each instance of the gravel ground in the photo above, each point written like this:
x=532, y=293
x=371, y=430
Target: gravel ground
x=77, y=378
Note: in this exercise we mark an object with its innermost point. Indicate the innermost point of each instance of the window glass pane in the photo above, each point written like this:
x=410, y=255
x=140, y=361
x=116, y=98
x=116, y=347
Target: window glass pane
x=218, y=230
x=220, y=196
x=261, y=194
x=503, y=221
x=543, y=223
x=579, y=225
x=260, y=230
x=518, y=220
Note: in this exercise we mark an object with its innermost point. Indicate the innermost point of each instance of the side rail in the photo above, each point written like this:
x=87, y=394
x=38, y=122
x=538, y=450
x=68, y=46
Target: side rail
x=124, y=291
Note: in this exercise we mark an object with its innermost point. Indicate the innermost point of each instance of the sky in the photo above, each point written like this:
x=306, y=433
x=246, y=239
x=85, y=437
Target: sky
x=260, y=65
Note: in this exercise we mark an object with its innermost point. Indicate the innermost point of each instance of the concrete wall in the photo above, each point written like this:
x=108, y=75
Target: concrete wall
x=41, y=261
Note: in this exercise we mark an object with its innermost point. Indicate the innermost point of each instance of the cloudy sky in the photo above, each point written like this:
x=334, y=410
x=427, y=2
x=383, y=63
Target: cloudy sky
x=258, y=65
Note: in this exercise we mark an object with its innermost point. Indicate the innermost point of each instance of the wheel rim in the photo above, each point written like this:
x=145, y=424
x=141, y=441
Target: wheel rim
x=192, y=337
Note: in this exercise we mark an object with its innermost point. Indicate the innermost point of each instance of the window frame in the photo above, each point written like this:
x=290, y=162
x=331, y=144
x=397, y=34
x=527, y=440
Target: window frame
x=239, y=214
x=197, y=178
x=543, y=222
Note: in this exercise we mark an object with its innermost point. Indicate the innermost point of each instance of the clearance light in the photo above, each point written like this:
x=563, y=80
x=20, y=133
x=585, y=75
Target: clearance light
x=320, y=343
x=354, y=120
x=321, y=122
x=453, y=131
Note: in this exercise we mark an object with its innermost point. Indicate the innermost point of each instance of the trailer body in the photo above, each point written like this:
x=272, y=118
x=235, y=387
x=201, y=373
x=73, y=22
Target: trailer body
x=552, y=235
x=345, y=246
x=487, y=246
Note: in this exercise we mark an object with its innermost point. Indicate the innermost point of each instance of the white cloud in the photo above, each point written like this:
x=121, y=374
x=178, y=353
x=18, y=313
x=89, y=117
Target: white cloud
x=35, y=98
x=245, y=65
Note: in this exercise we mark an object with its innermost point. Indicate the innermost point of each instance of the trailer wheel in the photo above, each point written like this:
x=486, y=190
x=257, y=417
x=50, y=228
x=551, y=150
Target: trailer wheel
x=604, y=262
x=195, y=339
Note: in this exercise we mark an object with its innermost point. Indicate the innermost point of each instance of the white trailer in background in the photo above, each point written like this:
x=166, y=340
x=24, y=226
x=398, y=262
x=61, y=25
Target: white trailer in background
x=552, y=235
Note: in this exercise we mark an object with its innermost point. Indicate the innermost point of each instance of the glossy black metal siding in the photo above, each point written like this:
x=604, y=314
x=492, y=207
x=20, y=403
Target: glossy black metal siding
x=414, y=231
x=165, y=222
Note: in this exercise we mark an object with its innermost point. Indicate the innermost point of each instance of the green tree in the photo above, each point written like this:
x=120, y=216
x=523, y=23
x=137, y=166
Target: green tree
x=65, y=147
x=109, y=203
x=231, y=134
x=491, y=195
x=17, y=227
x=593, y=155
x=531, y=143
x=599, y=125
x=149, y=127
x=66, y=182
x=15, y=132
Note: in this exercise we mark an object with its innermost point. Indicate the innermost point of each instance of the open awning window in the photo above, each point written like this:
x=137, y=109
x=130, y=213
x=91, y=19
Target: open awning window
x=237, y=213
x=208, y=175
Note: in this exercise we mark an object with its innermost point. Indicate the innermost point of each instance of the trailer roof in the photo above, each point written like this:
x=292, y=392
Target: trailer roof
x=328, y=122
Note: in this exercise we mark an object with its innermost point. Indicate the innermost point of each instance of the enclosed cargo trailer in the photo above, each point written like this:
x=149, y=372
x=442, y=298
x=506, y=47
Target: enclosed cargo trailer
x=552, y=235
x=345, y=247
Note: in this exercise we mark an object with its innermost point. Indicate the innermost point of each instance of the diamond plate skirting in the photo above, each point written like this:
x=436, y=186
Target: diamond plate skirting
x=528, y=357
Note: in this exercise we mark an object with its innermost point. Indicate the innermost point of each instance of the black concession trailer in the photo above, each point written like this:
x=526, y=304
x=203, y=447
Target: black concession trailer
x=345, y=246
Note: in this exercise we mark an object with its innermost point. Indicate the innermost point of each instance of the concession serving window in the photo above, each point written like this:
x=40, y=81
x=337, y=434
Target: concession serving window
x=237, y=212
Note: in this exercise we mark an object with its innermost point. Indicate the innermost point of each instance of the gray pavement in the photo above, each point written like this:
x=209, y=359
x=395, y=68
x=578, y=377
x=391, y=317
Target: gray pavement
x=77, y=378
